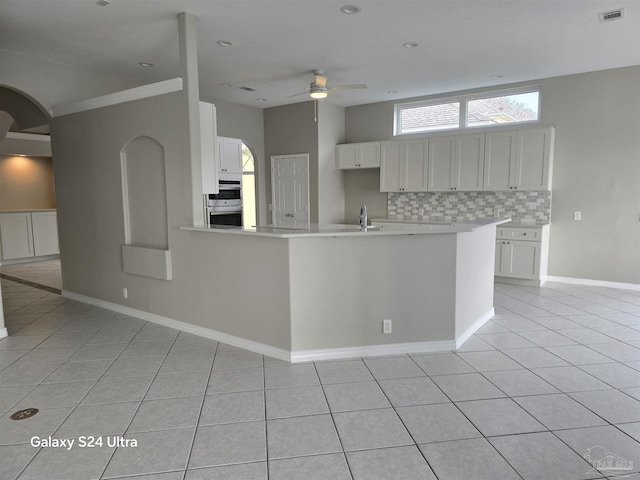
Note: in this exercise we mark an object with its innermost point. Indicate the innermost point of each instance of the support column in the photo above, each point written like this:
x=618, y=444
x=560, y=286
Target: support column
x=188, y=44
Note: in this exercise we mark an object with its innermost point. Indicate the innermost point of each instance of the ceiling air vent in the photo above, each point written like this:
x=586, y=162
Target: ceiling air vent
x=248, y=89
x=612, y=15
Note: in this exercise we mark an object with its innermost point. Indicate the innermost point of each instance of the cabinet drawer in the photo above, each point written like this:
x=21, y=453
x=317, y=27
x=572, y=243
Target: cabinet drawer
x=531, y=234
x=502, y=232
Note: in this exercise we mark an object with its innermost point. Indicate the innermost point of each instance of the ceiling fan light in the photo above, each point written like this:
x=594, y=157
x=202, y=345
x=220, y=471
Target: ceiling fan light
x=318, y=94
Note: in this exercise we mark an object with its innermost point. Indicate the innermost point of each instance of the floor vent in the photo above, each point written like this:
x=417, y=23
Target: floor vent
x=24, y=414
x=612, y=15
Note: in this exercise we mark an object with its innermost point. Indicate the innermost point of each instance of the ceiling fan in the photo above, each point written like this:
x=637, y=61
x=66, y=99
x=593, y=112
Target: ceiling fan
x=318, y=88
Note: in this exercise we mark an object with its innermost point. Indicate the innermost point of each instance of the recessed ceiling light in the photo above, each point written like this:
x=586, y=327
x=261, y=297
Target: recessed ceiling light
x=497, y=75
x=224, y=43
x=261, y=100
x=146, y=64
x=226, y=85
x=103, y=3
x=350, y=9
x=391, y=92
x=410, y=45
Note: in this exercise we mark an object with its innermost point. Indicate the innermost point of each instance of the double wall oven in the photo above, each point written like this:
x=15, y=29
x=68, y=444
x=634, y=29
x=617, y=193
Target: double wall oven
x=225, y=207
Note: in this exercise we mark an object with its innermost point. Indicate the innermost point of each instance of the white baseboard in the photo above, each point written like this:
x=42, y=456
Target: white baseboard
x=296, y=356
x=371, y=351
x=595, y=283
x=239, y=342
x=41, y=258
x=474, y=327
x=4, y=333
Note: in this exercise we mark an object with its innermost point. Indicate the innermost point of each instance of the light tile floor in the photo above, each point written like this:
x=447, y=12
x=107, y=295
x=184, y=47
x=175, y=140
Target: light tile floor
x=549, y=384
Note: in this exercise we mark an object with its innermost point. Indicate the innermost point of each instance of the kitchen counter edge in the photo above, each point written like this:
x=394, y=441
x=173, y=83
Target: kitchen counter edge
x=340, y=230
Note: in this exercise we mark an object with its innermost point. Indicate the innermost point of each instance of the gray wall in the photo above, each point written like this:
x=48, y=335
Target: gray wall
x=241, y=121
x=86, y=148
x=331, y=190
x=26, y=183
x=596, y=170
x=288, y=130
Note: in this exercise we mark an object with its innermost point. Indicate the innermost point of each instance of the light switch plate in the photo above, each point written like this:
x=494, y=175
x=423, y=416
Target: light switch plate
x=577, y=215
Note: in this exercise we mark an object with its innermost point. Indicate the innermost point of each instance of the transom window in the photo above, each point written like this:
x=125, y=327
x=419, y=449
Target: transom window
x=468, y=111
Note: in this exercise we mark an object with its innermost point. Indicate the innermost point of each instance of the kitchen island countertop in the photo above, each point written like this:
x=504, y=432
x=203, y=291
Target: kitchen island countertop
x=340, y=230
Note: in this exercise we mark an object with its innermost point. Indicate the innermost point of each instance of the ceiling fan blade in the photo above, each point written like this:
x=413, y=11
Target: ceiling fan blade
x=321, y=81
x=298, y=94
x=348, y=87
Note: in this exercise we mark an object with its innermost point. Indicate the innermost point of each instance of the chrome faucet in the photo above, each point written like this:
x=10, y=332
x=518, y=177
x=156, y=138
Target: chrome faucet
x=363, y=217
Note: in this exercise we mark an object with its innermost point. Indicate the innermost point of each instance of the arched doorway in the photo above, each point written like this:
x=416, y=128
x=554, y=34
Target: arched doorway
x=248, y=187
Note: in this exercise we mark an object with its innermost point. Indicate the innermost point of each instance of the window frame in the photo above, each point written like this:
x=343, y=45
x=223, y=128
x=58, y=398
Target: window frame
x=464, y=99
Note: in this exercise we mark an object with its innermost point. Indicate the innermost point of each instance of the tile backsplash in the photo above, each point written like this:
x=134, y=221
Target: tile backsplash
x=521, y=206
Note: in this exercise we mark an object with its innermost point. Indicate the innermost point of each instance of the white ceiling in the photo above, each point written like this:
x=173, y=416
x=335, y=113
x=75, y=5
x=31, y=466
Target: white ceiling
x=277, y=43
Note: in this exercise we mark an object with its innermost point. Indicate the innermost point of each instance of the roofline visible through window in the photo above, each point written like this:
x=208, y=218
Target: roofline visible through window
x=463, y=99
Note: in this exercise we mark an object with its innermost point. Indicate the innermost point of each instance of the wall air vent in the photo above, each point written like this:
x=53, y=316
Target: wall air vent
x=612, y=15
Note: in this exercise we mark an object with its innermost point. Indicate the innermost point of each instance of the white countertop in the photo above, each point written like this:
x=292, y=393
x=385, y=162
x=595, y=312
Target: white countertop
x=339, y=230
x=429, y=221
x=29, y=210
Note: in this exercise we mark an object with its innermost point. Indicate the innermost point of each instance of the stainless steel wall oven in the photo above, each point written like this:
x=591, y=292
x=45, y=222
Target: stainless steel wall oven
x=225, y=207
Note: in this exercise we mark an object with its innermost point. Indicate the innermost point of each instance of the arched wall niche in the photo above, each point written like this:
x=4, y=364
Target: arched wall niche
x=144, y=193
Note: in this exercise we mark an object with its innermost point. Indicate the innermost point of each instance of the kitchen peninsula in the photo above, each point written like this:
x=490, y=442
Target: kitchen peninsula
x=334, y=285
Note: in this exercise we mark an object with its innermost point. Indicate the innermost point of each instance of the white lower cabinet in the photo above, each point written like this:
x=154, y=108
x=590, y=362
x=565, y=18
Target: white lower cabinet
x=522, y=253
x=16, y=235
x=45, y=233
x=28, y=234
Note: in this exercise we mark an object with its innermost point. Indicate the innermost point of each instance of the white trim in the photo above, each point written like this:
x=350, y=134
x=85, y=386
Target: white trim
x=474, y=327
x=4, y=333
x=464, y=99
x=137, y=93
x=28, y=136
x=279, y=353
x=372, y=350
x=183, y=326
x=40, y=258
x=594, y=283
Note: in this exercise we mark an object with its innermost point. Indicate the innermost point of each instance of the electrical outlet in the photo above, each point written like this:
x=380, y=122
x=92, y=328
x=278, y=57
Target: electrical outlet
x=125, y=293
x=496, y=212
x=421, y=211
x=577, y=215
x=386, y=326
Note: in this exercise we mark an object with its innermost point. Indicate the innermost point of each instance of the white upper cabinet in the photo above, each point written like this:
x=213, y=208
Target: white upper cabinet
x=404, y=166
x=416, y=154
x=469, y=163
x=209, y=147
x=392, y=168
x=499, y=160
x=494, y=161
x=358, y=155
x=534, y=155
x=456, y=163
x=520, y=160
x=442, y=155
x=230, y=152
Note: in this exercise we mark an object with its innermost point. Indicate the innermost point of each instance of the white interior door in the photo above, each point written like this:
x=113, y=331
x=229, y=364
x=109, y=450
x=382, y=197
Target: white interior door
x=290, y=190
